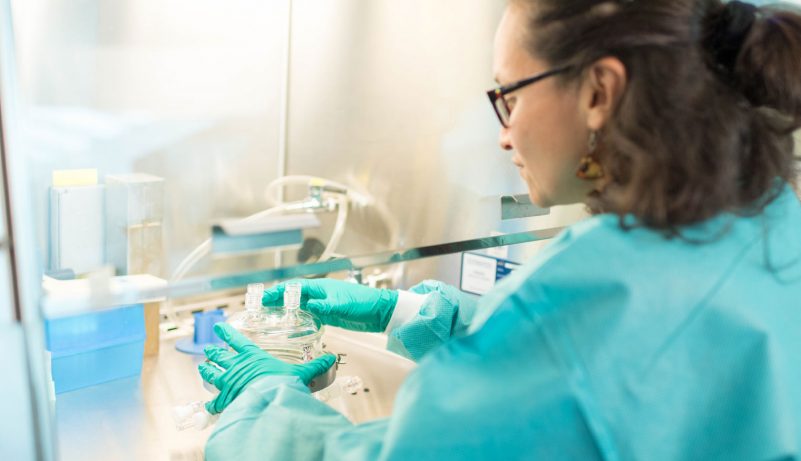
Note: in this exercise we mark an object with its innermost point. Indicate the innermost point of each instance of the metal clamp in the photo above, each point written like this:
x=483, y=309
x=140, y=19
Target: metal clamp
x=324, y=380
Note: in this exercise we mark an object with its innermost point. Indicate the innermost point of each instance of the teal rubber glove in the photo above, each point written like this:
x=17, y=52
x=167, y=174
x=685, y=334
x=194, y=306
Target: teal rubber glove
x=235, y=370
x=341, y=304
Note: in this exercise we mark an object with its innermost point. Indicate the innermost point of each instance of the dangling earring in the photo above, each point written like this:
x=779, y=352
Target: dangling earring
x=589, y=168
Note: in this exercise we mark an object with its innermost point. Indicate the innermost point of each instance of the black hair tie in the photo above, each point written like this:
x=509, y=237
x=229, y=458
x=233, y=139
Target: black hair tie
x=727, y=33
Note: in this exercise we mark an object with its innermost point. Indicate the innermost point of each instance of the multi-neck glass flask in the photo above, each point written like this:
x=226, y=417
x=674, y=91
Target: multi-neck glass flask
x=286, y=332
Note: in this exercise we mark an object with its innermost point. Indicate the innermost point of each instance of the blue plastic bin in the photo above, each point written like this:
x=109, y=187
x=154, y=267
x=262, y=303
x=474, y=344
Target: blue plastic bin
x=94, y=348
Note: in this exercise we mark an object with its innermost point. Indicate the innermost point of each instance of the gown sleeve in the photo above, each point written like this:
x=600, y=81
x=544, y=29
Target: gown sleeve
x=446, y=312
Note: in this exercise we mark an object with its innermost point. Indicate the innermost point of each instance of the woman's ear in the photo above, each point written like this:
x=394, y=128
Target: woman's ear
x=604, y=85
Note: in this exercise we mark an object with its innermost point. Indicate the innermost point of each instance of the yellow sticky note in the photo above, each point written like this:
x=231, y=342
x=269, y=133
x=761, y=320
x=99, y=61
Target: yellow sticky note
x=68, y=178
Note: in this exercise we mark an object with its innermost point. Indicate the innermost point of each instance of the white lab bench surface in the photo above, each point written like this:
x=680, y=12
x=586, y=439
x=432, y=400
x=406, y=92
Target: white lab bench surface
x=131, y=419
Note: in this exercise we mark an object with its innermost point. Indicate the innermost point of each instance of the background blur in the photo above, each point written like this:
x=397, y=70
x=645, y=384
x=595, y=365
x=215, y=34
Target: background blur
x=385, y=96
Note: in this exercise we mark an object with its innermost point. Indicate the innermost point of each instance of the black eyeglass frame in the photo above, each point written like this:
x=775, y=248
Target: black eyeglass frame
x=499, y=92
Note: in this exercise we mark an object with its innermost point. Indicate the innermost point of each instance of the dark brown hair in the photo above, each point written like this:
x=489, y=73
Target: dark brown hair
x=713, y=96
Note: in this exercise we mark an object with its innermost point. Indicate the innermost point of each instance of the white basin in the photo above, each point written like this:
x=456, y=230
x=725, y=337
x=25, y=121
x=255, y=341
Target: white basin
x=380, y=371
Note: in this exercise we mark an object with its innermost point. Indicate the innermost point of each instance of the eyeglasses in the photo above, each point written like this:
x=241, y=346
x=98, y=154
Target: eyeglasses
x=497, y=96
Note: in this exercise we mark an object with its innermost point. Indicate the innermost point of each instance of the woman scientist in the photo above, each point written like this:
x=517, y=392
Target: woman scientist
x=666, y=326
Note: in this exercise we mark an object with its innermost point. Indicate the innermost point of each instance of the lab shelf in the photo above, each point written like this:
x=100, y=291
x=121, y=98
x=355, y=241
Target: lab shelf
x=210, y=284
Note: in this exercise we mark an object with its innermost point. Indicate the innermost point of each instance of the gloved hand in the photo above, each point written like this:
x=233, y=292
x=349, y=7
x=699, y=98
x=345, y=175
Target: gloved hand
x=246, y=364
x=341, y=304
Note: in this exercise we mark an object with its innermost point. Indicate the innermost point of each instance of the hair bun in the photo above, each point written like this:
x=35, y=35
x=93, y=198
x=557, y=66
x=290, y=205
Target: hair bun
x=767, y=70
x=726, y=32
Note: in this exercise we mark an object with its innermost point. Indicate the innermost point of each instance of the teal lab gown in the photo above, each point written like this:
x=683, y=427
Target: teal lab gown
x=609, y=344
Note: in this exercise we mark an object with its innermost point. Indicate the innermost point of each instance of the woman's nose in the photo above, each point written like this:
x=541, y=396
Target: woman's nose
x=504, y=139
